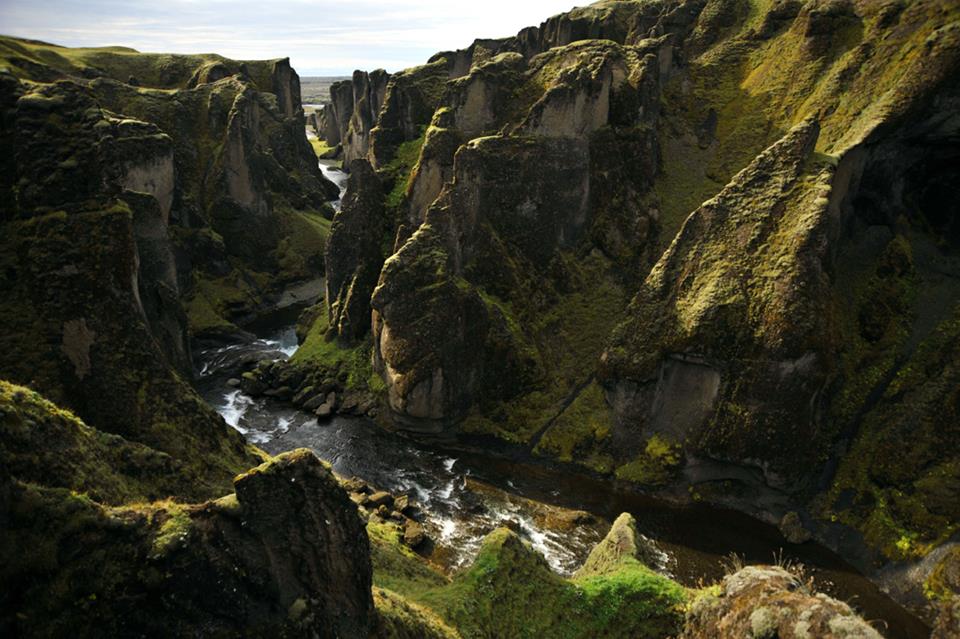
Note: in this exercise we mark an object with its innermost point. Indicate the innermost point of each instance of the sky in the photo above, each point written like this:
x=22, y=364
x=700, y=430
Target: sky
x=320, y=37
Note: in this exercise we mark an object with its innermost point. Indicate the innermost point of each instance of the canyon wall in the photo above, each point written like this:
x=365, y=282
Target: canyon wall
x=693, y=245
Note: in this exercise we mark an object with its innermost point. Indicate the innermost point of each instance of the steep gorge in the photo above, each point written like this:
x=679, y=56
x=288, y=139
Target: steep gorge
x=704, y=249
x=694, y=246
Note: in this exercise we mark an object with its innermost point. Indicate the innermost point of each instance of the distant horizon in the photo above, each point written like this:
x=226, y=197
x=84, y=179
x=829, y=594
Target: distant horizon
x=321, y=38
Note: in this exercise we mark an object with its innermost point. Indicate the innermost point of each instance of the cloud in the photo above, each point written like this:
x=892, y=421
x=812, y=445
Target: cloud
x=320, y=37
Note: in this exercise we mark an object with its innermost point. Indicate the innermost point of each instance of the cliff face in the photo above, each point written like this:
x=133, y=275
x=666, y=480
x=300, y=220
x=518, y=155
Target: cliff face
x=85, y=554
x=238, y=185
x=689, y=243
x=147, y=199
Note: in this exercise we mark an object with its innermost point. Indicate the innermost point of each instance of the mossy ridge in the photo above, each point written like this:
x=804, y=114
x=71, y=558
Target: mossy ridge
x=753, y=89
x=399, y=618
x=509, y=591
x=153, y=70
x=105, y=467
x=398, y=568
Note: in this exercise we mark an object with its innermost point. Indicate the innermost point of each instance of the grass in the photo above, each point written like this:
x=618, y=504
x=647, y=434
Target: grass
x=400, y=168
x=321, y=350
x=509, y=591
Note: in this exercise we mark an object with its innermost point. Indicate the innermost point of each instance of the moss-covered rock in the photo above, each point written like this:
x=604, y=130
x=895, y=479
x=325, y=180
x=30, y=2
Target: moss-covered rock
x=74, y=565
x=768, y=601
x=690, y=351
x=622, y=547
x=509, y=591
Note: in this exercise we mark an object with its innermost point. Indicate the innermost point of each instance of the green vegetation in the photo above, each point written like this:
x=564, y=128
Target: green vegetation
x=320, y=351
x=569, y=335
x=509, y=591
x=577, y=432
x=304, y=239
x=320, y=147
x=399, y=618
x=655, y=466
x=396, y=567
x=401, y=168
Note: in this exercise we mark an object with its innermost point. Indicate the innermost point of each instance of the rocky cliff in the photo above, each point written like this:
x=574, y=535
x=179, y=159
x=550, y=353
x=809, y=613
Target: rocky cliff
x=689, y=243
x=86, y=554
x=148, y=200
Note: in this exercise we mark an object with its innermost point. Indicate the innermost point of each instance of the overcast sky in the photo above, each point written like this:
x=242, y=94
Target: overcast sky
x=320, y=37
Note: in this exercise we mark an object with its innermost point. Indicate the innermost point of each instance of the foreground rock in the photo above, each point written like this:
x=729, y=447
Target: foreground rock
x=622, y=543
x=767, y=602
x=286, y=553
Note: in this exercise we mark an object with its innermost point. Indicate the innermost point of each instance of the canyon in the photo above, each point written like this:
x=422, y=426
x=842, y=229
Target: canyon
x=684, y=261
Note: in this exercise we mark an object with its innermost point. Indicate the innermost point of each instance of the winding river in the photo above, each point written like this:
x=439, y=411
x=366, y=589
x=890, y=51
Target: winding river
x=465, y=495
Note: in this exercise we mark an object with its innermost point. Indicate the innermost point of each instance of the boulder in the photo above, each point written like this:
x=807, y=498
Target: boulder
x=767, y=602
x=793, y=530
x=381, y=498
x=413, y=534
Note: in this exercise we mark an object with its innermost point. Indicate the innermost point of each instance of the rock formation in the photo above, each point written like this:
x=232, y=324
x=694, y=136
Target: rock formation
x=689, y=242
x=84, y=553
x=768, y=601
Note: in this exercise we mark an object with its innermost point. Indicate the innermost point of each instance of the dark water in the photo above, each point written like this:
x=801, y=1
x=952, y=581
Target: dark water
x=697, y=540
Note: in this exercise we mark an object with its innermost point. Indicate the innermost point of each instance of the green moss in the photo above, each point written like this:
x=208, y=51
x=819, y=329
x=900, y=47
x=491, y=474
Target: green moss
x=321, y=351
x=399, y=618
x=569, y=336
x=401, y=168
x=320, y=147
x=174, y=529
x=579, y=430
x=395, y=566
x=655, y=466
x=943, y=583
x=85, y=460
x=509, y=591
x=300, y=253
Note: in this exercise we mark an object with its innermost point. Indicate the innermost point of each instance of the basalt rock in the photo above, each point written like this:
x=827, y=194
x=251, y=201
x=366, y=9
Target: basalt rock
x=354, y=254
x=170, y=568
x=369, y=92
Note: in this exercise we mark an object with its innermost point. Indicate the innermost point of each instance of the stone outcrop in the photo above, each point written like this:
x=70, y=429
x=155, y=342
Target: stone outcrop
x=227, y=566
x=369, y=92
x=768, y=601
x=622, y=544
x=354, y=254
x=766, y=184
